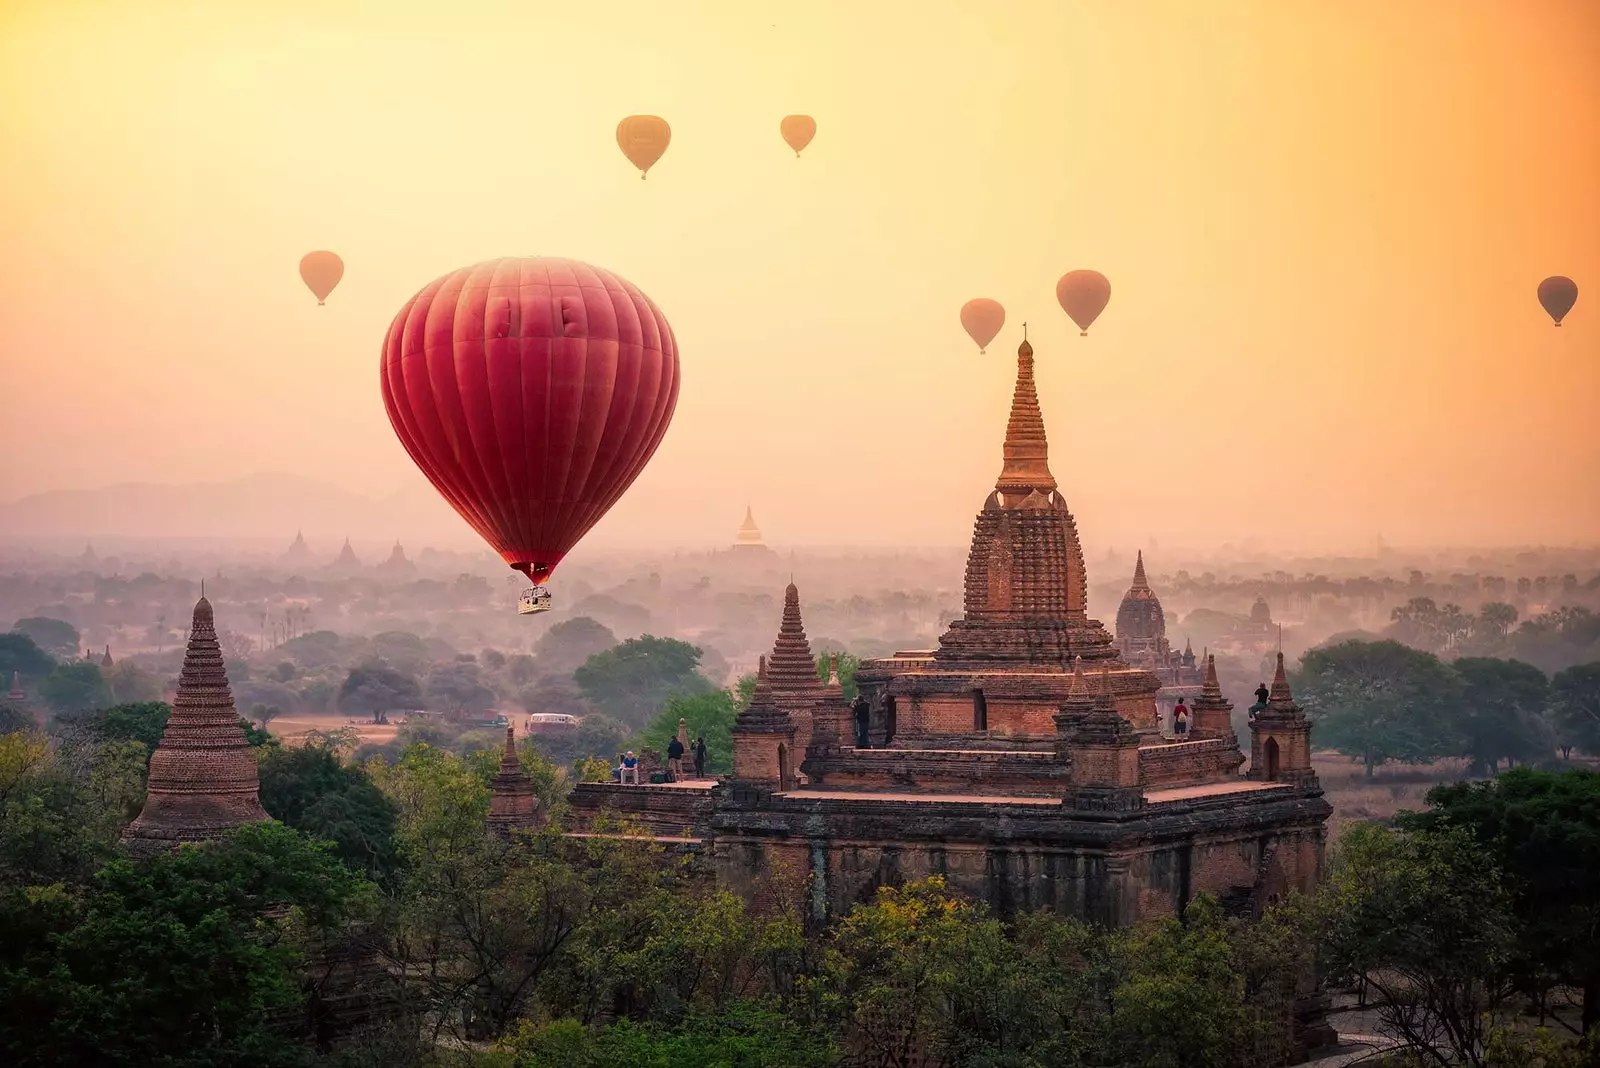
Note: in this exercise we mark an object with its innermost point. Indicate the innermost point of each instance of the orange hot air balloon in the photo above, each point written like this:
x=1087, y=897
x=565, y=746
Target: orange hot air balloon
x=643, y=139
x=1083, y=296
x=1558, y=294
x=982, y=318
x=798, y=130
x=321, y=271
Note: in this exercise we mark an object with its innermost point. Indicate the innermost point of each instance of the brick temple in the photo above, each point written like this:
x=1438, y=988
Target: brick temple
x=203, y=778
x=1142, y=642
x=1023, y=759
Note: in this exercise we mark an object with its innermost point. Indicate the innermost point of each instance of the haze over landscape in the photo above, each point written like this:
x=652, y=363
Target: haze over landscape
x=1323, y=225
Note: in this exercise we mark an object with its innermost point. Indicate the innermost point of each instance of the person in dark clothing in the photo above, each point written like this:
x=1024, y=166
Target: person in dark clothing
x=859, y=708
x=699, y=751
x=1263, y=695
x=675, y=759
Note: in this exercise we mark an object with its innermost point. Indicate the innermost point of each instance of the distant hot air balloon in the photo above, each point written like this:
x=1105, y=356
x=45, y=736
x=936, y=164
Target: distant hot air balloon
x=1083, y=296
x=643, y=139
x=798, y=130
x=531, y=392
x=321, y=271
x=1558, y=294
x=982, y=319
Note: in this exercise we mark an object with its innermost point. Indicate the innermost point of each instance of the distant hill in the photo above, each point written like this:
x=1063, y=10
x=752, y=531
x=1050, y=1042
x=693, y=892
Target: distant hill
x=265, y=505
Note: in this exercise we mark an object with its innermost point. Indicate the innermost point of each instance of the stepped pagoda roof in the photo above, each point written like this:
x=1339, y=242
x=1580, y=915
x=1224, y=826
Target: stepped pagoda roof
x=791, y=669
x=513, y=805
x=203, y=778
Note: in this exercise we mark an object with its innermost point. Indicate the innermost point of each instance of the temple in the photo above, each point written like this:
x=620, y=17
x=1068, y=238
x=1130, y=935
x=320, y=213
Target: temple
x=748, y=540
x=513, y=805
x=347, y=560
x=299, y=552
x=1023, y=759
x=1142, y=642
x=398, y=565
x=203, y=779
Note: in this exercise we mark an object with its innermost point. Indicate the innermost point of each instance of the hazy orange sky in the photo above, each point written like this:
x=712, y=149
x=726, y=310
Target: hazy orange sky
x=1323, y=223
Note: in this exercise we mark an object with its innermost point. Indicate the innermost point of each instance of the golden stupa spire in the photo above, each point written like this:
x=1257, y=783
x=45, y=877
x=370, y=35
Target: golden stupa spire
x=1026, y=466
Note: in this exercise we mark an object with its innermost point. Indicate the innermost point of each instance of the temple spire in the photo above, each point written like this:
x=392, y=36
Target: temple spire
x=1278, y=693
x=513, y=805
x=791, y=666
x=16, y=693
x=1026, y=467
x=1213, y=688
x=203, y=778
x=1139, y=581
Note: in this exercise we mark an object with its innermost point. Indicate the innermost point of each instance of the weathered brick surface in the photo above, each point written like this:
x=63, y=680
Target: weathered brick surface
x=671, y=811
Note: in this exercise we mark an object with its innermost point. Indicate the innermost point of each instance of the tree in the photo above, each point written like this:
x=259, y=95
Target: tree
x=75, y=686
x=565, y=646
x=262, y=715
x=1381, y=701
x=709, y=716
x=1494, y=621
x=139, y=721
x=52, y=826
x=847, y=672
x=1575, y=707
x=376, y=690
x=459, y=685
x=1422, y=920
x=311, y=788
x=56, y=637
x=129, y=682
x=401, y=650
x=174, y=961
x=633, y=680
x=21, y=655
x=1501, y=706
x=1542, y=831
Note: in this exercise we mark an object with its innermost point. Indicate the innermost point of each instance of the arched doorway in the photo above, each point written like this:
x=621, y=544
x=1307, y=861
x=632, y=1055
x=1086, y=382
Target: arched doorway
x=888, y=720
x=863, y=722
x=980, y=711
x=785, y=779
x=1269, y=757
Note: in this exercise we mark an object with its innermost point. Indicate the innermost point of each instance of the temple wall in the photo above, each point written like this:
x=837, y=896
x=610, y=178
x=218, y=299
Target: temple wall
x=1004, y=773
x=1188, y=763
x=669, y=811
x=756, y=755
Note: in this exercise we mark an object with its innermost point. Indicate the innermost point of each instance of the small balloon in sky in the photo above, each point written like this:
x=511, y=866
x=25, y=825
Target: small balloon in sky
x=643, y=139
x=321, y=271
x=982, y=318
x=798, y=130
x=1558, y=294
x=1083, y=296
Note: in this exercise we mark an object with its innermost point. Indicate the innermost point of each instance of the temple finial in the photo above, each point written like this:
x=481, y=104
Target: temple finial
x=1026, y=465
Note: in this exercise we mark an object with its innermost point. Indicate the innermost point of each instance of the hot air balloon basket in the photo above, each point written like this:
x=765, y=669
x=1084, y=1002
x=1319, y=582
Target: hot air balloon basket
x=534, y=599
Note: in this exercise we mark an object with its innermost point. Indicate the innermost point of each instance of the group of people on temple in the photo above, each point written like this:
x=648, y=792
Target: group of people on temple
x=1180, y=711
x=629, y=763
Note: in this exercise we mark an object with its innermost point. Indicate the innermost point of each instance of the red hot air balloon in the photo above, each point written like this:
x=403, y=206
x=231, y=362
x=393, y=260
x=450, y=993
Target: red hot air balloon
x=644, y=140
x=1558, y=294
x=1083, y=296
x=321, y=271
x=798, y=130
x=982, y=319
x=531, y=392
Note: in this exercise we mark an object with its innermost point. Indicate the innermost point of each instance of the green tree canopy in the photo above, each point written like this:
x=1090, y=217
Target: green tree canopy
x=173, y=961
x=401, y=650
x=311, y=788
x=1575, y=708
x=635, y=679
x=709, y=715
x=375, y=688
x=565, y=646
x=20, y=654
x=75, y=686
x=459, y=685
x=1501, y=713
x=1381, y=701
x=1542, y=831
x=57, y=637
